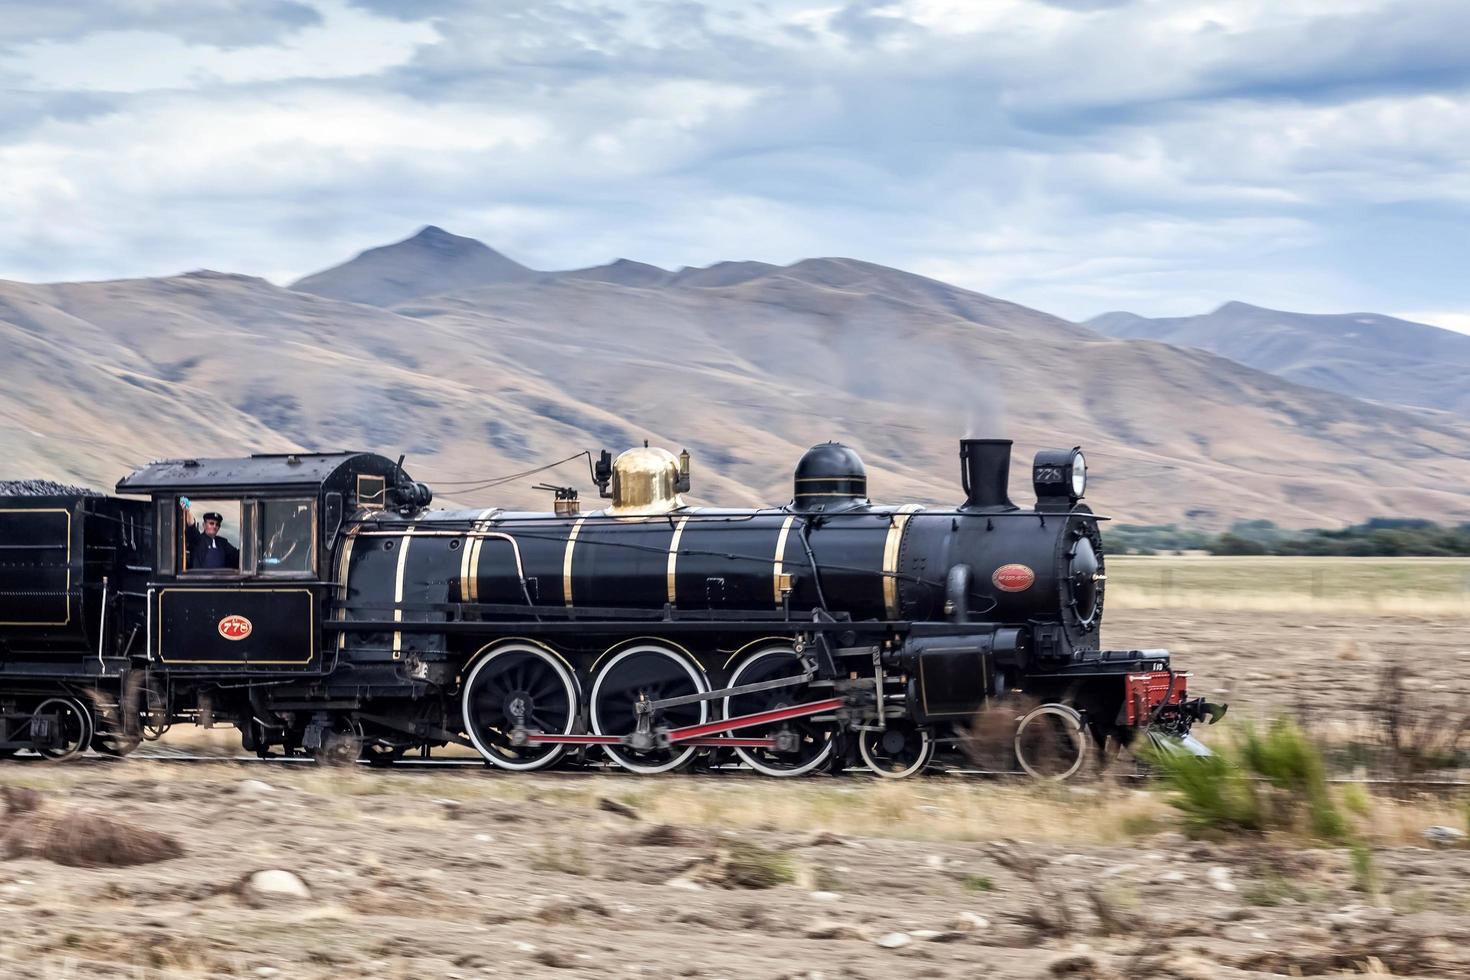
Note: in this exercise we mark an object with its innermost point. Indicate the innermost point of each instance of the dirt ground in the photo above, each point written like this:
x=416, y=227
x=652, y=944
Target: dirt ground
x=468, y=873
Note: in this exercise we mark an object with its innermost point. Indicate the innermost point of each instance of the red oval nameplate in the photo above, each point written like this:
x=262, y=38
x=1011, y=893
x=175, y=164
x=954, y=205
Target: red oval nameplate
x=235, y=627
x=1013, y=578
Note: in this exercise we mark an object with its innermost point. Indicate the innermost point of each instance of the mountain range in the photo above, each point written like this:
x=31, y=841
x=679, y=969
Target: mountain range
x=477, y=367
x=1365, y=355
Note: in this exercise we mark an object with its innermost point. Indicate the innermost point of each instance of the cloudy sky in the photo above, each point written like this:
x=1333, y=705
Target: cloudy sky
x=1161, y=156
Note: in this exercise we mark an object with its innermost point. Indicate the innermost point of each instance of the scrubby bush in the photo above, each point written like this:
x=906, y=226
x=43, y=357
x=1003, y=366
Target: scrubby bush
x=1268, y=780
x=1381, y=536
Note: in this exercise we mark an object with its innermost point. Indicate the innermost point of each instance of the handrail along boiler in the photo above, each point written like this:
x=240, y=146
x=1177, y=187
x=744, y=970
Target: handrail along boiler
x=649, y=633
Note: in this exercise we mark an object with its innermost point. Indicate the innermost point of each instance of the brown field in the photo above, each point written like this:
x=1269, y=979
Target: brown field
x=466, y=873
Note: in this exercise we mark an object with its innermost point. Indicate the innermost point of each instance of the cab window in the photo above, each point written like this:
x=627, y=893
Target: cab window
x=287, y=537
x=371, y=491
x=208, y=536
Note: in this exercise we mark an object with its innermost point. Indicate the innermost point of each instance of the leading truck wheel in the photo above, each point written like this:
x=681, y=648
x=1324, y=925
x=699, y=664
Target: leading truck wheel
x=900, y=750
x=814, y=741
x=519, y=685
x=645, y=673
x=1052, y=742
x=74, y=733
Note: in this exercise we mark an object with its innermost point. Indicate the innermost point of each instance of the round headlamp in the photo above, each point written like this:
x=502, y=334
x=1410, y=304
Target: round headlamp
x=1059, y=476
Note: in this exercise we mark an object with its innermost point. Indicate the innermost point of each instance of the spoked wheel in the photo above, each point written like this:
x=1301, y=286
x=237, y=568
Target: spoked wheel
x=156, y=705
x=342, y=745
x=1052, y=742
x=75, y=723
x=647, y=672
x=990, y=740
x=901, y=750
x=115, y=744
x=116, y=728
x=815, y=741
x=384, y=746
x=525, y=686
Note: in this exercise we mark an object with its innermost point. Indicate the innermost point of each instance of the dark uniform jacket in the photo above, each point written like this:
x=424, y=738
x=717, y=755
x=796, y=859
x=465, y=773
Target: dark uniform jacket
x=206, y=552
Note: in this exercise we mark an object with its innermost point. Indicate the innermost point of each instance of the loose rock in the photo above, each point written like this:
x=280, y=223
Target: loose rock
x=274, y=885
x=969, y=922
x=551, y=958
x=835, y=930
x=621, y=809
x=1219, y=877
x=894, y=940
x=1078, y=964
x=1444, y=836
x=668, y=835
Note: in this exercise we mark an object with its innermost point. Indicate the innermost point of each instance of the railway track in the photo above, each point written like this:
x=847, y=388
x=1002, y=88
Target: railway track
x=167, y=755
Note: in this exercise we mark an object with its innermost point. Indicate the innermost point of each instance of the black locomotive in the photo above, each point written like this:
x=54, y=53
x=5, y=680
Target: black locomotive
x=359, y=622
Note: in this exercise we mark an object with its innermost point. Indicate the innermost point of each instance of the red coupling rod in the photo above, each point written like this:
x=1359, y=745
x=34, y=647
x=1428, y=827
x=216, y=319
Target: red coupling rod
x=759, y=718
x=709, y=734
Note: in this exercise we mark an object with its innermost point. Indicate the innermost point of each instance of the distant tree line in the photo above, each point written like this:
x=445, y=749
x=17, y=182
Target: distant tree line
x=1381, y=536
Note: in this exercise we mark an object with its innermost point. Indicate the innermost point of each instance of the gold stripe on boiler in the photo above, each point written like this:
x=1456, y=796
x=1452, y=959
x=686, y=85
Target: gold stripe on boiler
x=344, y=568
x=566, y=563
x=779, y=560
x=398, y=591
x=469, y=572
x=674, y=561
x=891, y=544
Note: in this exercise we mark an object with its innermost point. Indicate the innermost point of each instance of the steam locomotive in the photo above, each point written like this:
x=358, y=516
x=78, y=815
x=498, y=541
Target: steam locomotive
x=649, y=634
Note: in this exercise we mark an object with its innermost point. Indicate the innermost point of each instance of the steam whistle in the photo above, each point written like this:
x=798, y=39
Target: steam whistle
x=683, y=485
x=602, y=474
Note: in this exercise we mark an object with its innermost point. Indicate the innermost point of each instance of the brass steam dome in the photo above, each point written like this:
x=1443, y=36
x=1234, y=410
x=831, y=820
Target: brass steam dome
x=645, y=481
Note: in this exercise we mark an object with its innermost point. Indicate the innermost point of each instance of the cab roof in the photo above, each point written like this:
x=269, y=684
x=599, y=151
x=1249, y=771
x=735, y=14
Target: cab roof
x=260, y=471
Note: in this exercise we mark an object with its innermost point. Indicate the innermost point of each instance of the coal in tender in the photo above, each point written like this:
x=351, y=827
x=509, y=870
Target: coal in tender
x=43, y=488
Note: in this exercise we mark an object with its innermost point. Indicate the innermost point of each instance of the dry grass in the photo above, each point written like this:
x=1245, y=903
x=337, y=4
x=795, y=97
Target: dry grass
x=1326, y=586
x=218, y=741
x=85, y=840
x=76, y=839
x=931, y=809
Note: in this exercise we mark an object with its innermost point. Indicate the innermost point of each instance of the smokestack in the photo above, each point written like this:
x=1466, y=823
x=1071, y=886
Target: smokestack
x=985, y=470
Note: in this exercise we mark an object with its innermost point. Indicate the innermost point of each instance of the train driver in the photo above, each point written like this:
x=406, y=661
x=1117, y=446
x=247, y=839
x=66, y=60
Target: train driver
x=208, y=549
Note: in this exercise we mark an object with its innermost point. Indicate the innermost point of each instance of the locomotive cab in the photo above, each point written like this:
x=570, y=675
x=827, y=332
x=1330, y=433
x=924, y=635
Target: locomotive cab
x=261, y=612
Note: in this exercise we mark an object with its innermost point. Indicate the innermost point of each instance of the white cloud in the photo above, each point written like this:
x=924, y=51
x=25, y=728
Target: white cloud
x=346, y=43
x=1074, y=154
x=1456, y=320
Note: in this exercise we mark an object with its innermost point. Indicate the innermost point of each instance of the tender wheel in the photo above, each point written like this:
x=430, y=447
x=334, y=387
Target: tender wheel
x=116, y=725
x=647, y=672
x=519, y=685
x=816, y=739
x=381, y=753
x=114, y=744
x=1052, y=742
x=342, y=745
x=76, y=727
x=901, y=750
